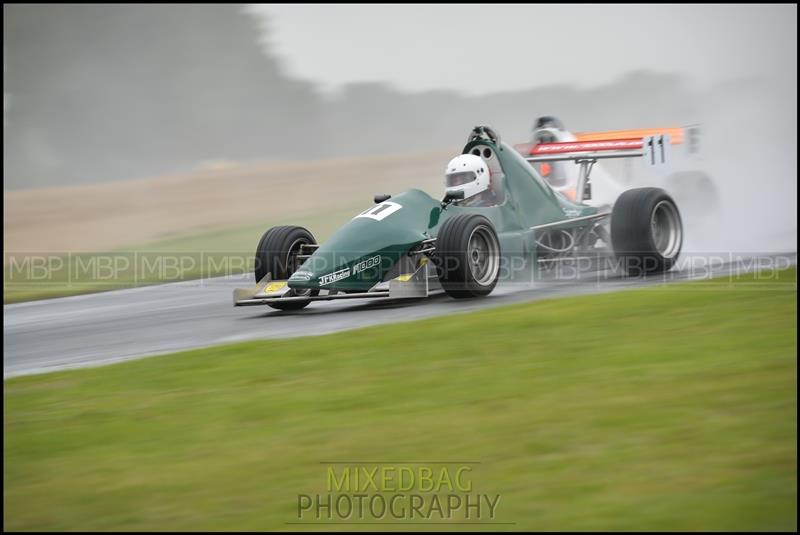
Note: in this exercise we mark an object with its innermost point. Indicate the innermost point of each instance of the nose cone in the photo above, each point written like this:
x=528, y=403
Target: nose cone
x=359, y=255
x=343, y=270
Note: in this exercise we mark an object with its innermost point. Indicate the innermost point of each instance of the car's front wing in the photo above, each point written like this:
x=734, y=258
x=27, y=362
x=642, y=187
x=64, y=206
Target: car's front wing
x=407, y=286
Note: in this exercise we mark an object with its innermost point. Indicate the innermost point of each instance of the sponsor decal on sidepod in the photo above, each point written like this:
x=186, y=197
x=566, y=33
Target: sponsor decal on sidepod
x=333, y=277
x=330, y=278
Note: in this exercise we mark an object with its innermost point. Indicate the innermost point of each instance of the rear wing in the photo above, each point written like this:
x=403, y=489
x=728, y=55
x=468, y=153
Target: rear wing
x=655, y=150
x=688, y=135
x=652, y=144
x=615, y=140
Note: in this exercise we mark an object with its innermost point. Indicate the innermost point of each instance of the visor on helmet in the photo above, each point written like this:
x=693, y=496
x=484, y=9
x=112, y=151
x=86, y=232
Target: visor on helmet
x=460, y=178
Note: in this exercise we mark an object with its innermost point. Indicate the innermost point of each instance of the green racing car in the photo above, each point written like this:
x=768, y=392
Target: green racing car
x=498, y=216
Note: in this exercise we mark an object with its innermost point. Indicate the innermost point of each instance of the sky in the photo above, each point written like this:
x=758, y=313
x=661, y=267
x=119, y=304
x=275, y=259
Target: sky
x=482, y=48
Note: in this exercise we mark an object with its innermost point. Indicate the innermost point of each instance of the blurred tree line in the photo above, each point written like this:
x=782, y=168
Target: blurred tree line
x=101, y=92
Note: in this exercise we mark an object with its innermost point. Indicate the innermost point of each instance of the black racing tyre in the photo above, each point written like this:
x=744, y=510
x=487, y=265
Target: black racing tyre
x=277, y=254
x=646, y=231
x=467, y=256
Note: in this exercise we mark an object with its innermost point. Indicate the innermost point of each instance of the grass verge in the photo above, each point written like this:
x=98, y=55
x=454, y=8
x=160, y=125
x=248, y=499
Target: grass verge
x=210, y=253
x=668, y=408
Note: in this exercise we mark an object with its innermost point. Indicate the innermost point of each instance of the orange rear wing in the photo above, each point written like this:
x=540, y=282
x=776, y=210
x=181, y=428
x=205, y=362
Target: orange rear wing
x=654, y=149
x=677, y=135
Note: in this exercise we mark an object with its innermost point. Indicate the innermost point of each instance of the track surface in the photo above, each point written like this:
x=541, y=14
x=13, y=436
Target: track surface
x=90, y=330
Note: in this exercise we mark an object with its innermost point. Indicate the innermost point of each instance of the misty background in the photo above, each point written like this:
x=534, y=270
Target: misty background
x=98, y=93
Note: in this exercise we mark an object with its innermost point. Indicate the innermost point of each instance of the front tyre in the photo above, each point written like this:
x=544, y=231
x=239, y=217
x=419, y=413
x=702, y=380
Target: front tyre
x=277, y=254
x=646, y=231
x=467, y=256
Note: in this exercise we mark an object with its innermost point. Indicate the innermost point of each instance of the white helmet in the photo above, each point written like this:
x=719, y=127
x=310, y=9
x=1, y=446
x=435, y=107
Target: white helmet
x=467, y=173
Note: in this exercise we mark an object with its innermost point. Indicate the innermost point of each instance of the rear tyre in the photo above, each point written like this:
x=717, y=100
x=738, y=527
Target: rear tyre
x=277, y=254
x=646, y=231
x=467, y=256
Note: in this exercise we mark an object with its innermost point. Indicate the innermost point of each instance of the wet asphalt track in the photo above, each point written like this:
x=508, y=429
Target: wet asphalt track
x=89, y=330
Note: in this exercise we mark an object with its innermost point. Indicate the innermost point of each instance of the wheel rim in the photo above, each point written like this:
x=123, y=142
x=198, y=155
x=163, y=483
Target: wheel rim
x=483, y=255
x=665, y=227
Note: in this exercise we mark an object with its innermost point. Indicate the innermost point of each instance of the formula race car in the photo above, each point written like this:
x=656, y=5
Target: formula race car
x=497, y=212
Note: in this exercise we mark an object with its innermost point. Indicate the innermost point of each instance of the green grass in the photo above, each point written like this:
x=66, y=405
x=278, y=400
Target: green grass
x=176, y=258
x=668, y=408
